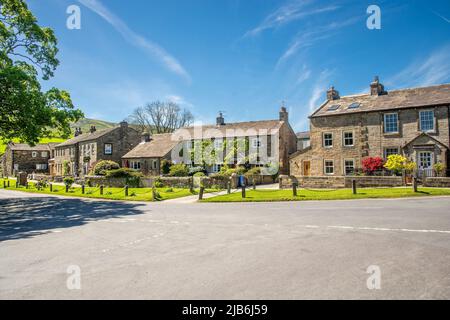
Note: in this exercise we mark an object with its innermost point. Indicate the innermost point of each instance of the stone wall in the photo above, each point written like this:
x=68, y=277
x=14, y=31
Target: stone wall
x=438, y=182
x=340, y=182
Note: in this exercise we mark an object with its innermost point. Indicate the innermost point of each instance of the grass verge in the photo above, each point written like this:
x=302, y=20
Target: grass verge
x=321, y=194
x=134, y=194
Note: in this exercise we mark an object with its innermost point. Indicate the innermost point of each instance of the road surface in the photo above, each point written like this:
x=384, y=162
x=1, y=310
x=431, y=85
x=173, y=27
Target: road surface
x=290, y=250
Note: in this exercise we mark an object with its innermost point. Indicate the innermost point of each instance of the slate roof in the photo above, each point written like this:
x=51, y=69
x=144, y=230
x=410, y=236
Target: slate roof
x=27, y=147
x=396, y=99
x=303, y=135
x=86, y=137
x=235, y=129
x=159, y=146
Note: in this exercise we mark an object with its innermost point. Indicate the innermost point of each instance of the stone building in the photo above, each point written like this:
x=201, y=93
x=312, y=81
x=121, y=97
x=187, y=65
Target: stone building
x=78, y=155
x=345, y=130
x=23, y=157
x=266, y=142
x=303, y=140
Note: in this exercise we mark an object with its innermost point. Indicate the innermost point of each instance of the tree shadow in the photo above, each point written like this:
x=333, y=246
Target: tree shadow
x=28, y=217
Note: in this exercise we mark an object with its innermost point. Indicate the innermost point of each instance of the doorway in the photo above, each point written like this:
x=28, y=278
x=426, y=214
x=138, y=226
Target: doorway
x=306, y=168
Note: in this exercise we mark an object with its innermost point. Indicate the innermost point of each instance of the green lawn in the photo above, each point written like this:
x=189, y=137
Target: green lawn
x=134, y=194
x=43, y=140
x=322, y=194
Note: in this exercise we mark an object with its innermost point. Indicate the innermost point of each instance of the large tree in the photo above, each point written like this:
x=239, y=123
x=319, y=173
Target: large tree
x=28, y=51
x=161, y=117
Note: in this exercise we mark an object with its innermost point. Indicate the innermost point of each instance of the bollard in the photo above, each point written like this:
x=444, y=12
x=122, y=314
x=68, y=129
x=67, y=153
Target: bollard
x=126, y=191
x=67, y=188
x=354, y=186
x=26, y=185
x=191, y=185
x=9, y=185
x=101, y=190
x=200, y=194
x=243, y=191
x=229, y=187
x=4, y=184
x=254, y=182
x=414, y=183
x=17, y=184
x=51, y=187
x=294, y=188
x=82, y=188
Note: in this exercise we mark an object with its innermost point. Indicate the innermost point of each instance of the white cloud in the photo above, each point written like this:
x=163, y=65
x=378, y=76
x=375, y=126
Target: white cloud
x=320, y=87
x=148, y=46
x=313, y=35
x=304, y=75
x=293, y=10
x=180, y=101
x=434, y=69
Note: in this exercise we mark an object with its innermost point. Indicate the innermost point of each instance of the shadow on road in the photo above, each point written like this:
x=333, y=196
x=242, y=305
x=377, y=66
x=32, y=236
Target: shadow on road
x=27, y=217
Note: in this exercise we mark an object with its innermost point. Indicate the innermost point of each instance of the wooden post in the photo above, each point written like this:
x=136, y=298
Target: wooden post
x=82, y=188
x=294, y=188
x=101, y=189
x=243, y=191
x=9, y=185
x=4, y=184
x=17, y=184
x=229, y=187
x=200, y=194
x=254, y=182
x=26, y=185
x=67, y=188
x=153, y=193
x=51, y=187
x=414, y=183
x=354, y=186
x=191, y=185
x=126, y=191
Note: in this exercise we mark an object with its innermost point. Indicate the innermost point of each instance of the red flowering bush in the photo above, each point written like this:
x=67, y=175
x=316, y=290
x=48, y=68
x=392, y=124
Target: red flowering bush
x=372, y=164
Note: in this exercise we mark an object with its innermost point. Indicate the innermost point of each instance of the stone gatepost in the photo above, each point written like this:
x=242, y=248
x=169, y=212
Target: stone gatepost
x=22, y=178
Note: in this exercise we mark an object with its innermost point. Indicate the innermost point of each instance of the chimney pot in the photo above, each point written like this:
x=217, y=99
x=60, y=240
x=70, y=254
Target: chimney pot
x=376, y=88
x=284, y=115
x=146, y=137
x=220, y=120
x=93, y=129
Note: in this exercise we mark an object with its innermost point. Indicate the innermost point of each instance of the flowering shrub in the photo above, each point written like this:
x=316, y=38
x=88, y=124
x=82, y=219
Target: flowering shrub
x=372, y=164
x=397, y=163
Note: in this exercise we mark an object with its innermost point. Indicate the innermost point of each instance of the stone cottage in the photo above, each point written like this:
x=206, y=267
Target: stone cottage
x=345, y=130
x=23, y=157
x=253, y=143
x=78, y=155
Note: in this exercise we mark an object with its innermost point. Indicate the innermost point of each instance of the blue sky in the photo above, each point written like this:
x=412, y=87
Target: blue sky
x=243, y=57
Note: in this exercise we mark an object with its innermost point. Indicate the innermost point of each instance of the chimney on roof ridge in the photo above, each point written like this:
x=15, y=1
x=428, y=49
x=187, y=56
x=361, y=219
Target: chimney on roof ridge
x=78, y=132
x=332, y=94
x=376, y=88
x=146, y=137
x=93, y=129
x=220, y=120
x=284, y=115
x=124, y=124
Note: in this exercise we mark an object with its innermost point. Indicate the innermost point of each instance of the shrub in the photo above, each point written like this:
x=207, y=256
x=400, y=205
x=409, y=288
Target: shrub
x=165, y=166
x=169, y=190
x=66, y=168
x=253, y=172
x=158, y=183
x=103, y=166
x=122, y=173
x=372, y=164
x=41, y=184
x=439, y=168
x=68, y=181
x=397, y=163
x=199, y=174
x=179, y=170
x=193, y=171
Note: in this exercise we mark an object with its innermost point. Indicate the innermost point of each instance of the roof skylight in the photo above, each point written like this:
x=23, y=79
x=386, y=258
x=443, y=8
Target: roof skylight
x=354, y=105
x=334, y=107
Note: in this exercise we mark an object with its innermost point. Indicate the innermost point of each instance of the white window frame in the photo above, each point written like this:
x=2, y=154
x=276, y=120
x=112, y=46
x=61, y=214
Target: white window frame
x=34, y=154
x=136, y=165
x=216, y=168
x=325, y=167
x=324, y=139
x=104, y=149
x=353, y=139
x=41, y=166
x=44, y=154
x=420, y=120
x=386, y=149
x=345, y=166
x=397, y=124
x=256, y=143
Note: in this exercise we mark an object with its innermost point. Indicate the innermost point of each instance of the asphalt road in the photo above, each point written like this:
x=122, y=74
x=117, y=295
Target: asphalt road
x=295, y=250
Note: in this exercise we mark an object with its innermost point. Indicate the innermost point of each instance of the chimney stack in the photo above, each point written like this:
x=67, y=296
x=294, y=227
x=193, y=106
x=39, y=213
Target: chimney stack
x=376, y=88
x=77, y=132
x=220, y=120
x=93, y=129
x=146, y=137
x=332, y=94
x=284, y=115
x=124, y=124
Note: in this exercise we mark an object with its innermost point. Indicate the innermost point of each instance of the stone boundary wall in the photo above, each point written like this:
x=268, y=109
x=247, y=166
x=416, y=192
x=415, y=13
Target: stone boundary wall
x=438, y=182
x=334, y=182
